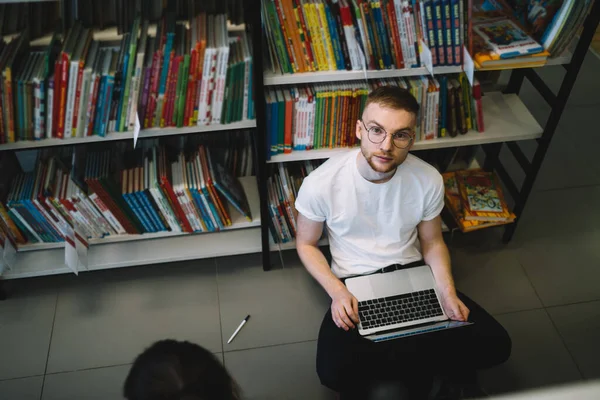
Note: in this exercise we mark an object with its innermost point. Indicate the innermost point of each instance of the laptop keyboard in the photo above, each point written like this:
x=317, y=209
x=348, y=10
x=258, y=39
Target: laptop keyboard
x=397, y=309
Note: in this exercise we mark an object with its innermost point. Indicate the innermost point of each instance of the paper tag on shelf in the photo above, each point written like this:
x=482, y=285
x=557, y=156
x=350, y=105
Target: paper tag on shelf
x=71, y=257
x=468, y=66
x=426, y=58
x=136, y=129
x=81, y=246
x=9, y=254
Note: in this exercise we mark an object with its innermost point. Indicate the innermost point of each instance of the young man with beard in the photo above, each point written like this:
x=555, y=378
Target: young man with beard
x=381, y=206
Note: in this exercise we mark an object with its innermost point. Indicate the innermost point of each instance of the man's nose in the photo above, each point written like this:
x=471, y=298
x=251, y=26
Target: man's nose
x=387, y=143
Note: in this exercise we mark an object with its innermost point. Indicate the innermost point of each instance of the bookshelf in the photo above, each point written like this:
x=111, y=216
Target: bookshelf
x=149, y=248
x=507, y=119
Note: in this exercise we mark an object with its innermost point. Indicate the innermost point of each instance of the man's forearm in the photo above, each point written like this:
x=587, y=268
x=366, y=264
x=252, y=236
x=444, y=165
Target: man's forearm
x=316, y=264
x=436, y=255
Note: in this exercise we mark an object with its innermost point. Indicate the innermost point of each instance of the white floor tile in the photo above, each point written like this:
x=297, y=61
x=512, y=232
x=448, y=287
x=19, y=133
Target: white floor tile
x=285, y=305
x=285, y=372
x=21, y=389
x=556, y=244
x=25, y=327
x=107, y=318
x=579, y=324
x=538, y=359
x=494, y=279
x=92, y=384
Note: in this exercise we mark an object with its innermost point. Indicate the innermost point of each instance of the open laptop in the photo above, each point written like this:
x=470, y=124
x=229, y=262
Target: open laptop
x=398, y=304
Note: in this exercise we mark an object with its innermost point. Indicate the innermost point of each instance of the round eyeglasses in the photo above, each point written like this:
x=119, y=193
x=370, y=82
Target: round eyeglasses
x=377, y=134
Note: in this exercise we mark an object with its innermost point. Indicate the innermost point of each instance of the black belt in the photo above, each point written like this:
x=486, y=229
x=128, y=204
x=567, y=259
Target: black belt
x=396, y=267
x=390, y=268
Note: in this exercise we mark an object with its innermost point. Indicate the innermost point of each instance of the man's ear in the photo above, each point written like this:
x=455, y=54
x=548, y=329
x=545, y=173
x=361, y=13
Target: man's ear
x=358, y=130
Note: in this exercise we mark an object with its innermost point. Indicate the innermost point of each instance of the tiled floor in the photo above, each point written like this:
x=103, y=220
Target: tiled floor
x=70, y=337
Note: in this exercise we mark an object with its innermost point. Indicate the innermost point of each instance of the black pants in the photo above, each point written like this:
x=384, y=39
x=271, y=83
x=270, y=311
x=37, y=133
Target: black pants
x=348, y=363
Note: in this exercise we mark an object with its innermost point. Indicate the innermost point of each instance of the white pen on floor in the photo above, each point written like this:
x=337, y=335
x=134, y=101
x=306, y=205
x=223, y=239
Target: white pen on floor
x=238, y=329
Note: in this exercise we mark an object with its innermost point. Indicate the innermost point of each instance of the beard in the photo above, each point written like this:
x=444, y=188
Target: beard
x=382, y=168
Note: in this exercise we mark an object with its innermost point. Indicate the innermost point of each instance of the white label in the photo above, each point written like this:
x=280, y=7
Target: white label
x=82, y=246
x=469, y=65
x=9, y=254
x=71, y=257
x=426, y=58
x=136, y=129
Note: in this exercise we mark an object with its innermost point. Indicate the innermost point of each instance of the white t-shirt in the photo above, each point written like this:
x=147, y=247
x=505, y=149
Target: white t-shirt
x=371, y=225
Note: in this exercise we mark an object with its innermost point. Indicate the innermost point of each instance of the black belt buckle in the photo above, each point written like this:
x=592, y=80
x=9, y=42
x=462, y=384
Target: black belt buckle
x=390, y=268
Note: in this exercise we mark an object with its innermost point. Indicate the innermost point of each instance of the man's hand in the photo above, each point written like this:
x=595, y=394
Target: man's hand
x=344, y=309
x=455, y=308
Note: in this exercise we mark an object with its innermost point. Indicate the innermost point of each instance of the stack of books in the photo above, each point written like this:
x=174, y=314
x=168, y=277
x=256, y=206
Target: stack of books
x=323, y=116
x=79, y=87
x=283, y=186
x=323, y=35
x=475, y=200
x=158, y=188
x=554, y=23
x=518, y=33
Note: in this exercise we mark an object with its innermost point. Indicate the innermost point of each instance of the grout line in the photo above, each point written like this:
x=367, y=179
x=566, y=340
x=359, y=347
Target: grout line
x=529, y=280
x=50, y=343
x=574, y=303
x=270, y=345
x=21, y=377
x=591, y=185
x=219, y=308
x=87, y=369
x=518, y=311
x=564, y=342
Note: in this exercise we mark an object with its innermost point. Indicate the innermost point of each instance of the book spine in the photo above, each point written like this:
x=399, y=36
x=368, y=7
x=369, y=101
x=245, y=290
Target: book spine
x=439, y=31
x=190, y=90
x=134, y=206
x=92, y=103
x=448, y=29
x=396, y=41
x=176, y=205
x=456, y=31
x=37, y=123
x=431, y=32
x=153, y=211
x=70, y=101
x=165, y=210
x=409, y=22
x=62, y=99
x=77, y=99
x=106, y=107
x=160, y=108
x=108, y=215
x=143, y=102
x=301, y=19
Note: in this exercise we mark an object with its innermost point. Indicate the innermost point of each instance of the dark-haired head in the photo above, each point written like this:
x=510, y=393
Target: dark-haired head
x=386, y=129
x=173, y=370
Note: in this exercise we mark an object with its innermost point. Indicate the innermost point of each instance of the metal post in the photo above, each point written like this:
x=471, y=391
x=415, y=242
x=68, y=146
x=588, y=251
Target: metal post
x=589, y=28
x=253, y=19
x=515, y=82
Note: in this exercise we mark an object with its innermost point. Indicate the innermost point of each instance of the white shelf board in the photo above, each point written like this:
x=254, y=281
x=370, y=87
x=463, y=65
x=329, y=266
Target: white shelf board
x=271, y=79
x=141, y=252
x=506, y=119
x=144, y=133
x=150, y=248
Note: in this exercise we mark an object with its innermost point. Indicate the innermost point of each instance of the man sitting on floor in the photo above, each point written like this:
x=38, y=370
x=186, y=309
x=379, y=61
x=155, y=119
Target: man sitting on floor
x=381, y=206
